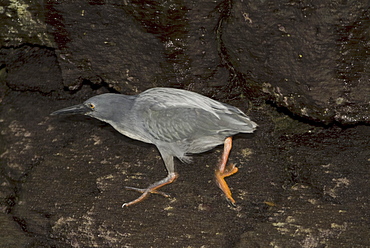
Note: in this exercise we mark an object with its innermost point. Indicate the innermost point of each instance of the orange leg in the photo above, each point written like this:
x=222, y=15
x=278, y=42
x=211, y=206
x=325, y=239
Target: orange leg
x=152, y=189
x=222, y=172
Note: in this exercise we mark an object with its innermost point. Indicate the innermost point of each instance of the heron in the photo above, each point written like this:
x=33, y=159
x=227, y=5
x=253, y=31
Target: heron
x=178, y=122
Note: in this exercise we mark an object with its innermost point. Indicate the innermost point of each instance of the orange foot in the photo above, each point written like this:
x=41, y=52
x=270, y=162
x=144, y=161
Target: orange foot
x=230, y=170
x=152, y=189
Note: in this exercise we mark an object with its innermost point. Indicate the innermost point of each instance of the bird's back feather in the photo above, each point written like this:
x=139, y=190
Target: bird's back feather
x=187, y=122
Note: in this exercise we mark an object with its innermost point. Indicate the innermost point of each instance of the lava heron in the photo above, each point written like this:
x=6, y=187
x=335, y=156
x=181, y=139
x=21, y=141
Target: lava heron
x=178, y=122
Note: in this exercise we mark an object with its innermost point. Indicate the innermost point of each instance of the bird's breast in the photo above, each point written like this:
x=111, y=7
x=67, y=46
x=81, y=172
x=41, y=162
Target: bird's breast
x=132, y=134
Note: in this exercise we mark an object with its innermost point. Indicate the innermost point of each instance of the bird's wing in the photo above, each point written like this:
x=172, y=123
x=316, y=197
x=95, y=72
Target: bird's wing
x=178, y=98
x=178, y=123
x=172, y=114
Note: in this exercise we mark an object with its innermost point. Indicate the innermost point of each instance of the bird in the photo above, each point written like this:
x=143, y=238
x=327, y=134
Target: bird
x=177, y=121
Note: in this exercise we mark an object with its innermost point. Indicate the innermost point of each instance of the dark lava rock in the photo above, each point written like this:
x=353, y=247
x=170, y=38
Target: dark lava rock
x=300, y=183
x=311, y=58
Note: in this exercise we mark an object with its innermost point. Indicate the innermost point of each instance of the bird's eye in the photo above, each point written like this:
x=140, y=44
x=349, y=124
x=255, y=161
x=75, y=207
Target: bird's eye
x=92, y=106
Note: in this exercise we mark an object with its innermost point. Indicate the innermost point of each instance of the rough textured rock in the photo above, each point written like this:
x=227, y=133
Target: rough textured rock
x=300, y=184
x=31, y=68
x=101, y=43
x=22, y=22
x=311, y=57
x=138, y=45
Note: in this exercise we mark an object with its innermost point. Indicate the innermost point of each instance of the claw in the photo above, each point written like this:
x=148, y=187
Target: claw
x=143, y=191
x=220, y=180
x=151, y=189
x=222, y=172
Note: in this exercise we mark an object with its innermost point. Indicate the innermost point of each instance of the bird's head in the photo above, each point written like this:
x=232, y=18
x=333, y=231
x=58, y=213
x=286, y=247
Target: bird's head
x=105, y=107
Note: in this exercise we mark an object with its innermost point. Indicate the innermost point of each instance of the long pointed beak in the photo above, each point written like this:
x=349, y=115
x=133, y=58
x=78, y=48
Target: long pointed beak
x=76, y=109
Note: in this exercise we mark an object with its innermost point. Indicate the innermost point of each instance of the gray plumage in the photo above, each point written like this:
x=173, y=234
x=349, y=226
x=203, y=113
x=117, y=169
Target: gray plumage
x=178, y=122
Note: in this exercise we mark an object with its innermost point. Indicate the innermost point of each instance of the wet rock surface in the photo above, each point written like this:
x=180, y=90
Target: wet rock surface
x=301, y=183
x=312, y=57
x=298, y=185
